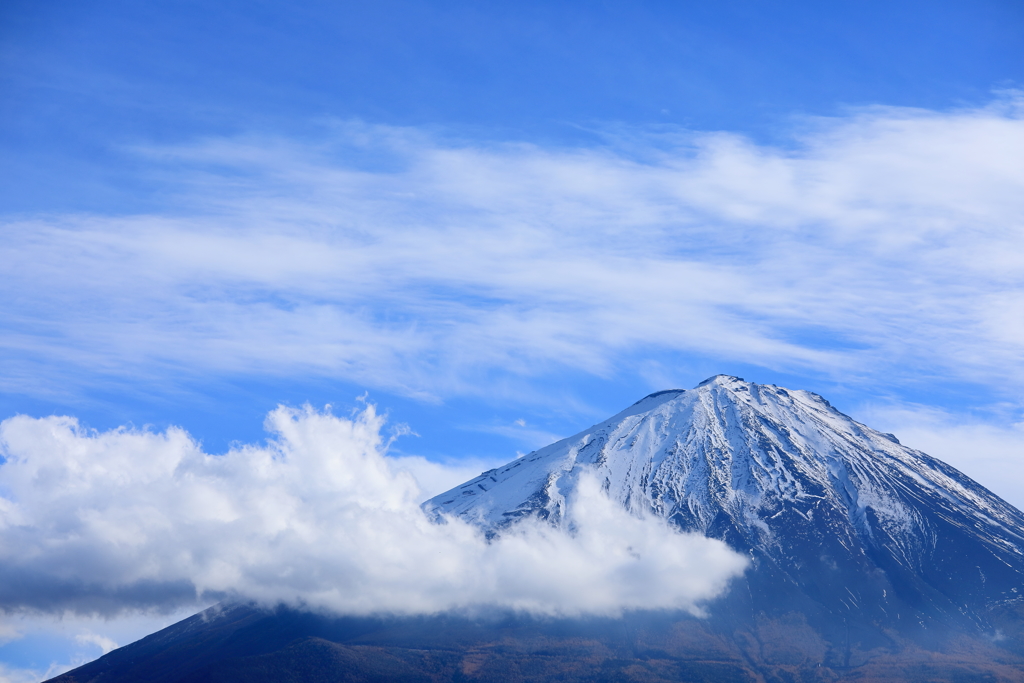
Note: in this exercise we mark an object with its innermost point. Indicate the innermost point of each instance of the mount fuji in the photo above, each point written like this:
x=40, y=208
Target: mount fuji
x=869, y=561
x=842, y=523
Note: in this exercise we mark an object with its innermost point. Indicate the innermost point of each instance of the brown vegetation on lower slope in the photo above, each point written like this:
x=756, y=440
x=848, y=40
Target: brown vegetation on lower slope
x=257, y=647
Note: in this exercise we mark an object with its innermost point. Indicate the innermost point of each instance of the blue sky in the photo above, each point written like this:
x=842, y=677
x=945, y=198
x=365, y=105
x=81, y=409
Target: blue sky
x=505, y=222
x=85, y=80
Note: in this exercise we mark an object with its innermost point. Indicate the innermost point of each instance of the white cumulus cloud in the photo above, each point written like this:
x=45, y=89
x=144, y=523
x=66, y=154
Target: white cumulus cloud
x=320, y=516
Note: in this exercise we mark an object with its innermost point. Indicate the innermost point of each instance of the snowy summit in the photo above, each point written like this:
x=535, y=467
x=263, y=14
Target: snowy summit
x=839, y=520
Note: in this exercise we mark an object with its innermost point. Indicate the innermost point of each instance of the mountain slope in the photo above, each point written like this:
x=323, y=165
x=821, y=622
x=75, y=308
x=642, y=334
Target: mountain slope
x=870, y=562
x=842, y=522
x=271, y=646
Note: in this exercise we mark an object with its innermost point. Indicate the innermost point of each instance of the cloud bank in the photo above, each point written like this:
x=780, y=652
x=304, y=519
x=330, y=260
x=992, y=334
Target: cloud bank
x=319, y=517
x=884, y=246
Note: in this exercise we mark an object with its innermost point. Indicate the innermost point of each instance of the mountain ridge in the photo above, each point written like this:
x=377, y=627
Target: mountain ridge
x=826, y=502
x=870, y=562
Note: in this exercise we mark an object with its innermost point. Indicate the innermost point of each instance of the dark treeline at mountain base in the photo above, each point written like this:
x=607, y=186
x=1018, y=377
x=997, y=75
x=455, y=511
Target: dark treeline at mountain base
x=869, y=562
x=244, y=644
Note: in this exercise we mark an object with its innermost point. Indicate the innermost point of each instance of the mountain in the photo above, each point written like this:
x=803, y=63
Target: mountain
x=870, y=562
x=243, y=644
x=843, y=524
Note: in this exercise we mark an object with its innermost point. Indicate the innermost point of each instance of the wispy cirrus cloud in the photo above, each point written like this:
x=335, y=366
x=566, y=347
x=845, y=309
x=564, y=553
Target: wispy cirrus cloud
x=988, y=448
x=885, y=245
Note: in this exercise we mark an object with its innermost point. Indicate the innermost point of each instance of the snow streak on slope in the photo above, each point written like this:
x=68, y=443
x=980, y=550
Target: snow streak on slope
x=783, y=476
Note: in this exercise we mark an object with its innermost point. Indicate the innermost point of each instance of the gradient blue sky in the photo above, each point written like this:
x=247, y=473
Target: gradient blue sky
x=89, y=85
x=507, y=221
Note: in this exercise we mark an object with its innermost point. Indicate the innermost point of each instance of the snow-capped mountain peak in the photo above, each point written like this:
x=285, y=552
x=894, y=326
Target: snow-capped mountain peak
x=783, y=475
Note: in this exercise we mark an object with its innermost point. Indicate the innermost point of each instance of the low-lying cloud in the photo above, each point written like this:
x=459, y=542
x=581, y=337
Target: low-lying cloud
x=318, y=517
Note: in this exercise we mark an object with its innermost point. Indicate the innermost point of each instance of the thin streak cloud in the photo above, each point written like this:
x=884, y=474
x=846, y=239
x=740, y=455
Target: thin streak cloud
x=879, y=245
